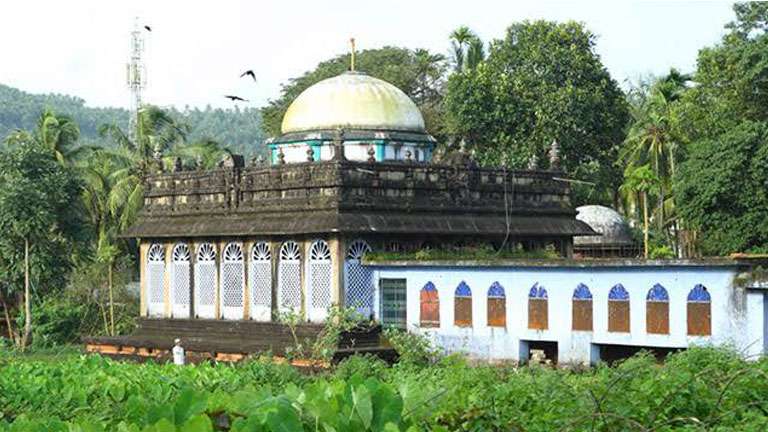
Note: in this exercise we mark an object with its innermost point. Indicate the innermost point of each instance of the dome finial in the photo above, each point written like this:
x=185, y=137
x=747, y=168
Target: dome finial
x=352, y=54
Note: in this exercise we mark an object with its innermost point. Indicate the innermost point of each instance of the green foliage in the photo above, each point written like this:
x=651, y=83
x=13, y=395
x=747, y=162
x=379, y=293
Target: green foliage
x=727, y=200
x=542, y=82
x=36, y=205
x=239, y=129
x=700, y=389
x=418, y=73
x=412, y=348
x=481, y=252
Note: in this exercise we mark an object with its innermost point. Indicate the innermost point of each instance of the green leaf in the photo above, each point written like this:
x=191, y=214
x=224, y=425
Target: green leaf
x=363, y=406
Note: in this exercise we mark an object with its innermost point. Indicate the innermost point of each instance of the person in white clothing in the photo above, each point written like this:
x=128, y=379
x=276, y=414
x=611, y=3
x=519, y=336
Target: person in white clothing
x=178, y=352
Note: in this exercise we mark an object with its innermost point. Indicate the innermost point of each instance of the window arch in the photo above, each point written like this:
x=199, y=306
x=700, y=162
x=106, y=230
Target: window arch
x=319, y=278
x=618, y=309
x=497, y=306
x=699, y=311
x=260, y=281
x=581, y=310
x=180, y=281
x=429, y=306
x=156, y=280
x=289, y=277
x=205, y=281
x=657, y=310
x=538, y=308
x=232, y=290
x=462, y=305
x=358, y=279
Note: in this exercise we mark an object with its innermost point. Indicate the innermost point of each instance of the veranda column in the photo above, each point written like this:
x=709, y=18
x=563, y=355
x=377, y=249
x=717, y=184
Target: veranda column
x=220, y=245
x=143, y=305
x=168, y=247
x=247, y=245
x=338, y=252
x=274, y=246
x=305, y=245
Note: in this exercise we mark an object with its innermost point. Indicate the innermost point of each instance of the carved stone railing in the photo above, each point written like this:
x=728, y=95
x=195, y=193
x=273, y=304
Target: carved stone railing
x=356, y=186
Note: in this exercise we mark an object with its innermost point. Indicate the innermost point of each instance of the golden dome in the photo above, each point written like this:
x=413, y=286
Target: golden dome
x=353, y=100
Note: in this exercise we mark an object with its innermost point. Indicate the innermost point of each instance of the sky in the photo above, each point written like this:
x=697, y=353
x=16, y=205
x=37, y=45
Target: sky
x=197, y=49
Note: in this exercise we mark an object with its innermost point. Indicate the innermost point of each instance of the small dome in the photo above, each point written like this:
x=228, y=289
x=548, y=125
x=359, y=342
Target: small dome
x=353, y=100
x=606, y=221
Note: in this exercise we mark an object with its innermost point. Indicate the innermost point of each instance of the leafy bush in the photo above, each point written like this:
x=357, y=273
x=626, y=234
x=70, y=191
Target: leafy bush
x=699, y=389
x=365, y=366
x=412, y=348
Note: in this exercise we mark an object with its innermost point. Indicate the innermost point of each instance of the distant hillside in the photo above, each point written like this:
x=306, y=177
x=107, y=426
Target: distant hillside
x=239, y=130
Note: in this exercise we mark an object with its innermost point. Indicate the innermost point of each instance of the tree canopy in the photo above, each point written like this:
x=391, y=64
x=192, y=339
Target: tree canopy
x=542, y=82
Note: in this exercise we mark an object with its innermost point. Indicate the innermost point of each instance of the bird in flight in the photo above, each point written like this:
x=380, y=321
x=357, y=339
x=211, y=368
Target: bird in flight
x=148, y=28
x=249, y=73
x=235, y=98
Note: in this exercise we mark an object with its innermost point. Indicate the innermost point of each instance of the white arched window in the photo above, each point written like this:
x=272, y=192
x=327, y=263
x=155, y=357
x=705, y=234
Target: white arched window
x=289, y=277
x=232, y=290
x=156, y=280
x=180, y=300
x=260, y=281
x=358, y=280
x=319, y=281
x=205, y=281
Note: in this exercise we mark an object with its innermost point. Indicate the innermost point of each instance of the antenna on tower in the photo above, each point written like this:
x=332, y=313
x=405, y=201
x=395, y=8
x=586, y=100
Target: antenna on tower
x=136, y=76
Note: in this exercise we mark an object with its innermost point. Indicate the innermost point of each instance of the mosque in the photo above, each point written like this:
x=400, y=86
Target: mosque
x=229, y=251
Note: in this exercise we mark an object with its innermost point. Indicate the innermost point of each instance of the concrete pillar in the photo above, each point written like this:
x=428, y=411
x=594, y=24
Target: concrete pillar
x=247, y=245
x=274, y=248
x=143, y=249
x=219, y=245
x=168, y=248
x=338, y=249
x=304, y=246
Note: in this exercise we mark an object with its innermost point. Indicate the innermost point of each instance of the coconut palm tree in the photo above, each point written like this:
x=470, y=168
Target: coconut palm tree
x=55, y=132
x=467, y=49
x=204, y=154
x=157, y=132
x=638, y=183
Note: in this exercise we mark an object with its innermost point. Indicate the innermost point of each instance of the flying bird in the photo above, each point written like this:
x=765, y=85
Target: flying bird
x=148, y=28
x=235, y=98
x=249, y=73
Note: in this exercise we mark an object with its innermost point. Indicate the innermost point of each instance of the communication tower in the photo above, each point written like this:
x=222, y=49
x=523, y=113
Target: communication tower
x=136, y=77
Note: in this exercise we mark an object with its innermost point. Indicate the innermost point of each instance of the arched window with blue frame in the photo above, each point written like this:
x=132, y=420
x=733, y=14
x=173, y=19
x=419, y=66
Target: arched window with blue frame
x=657, y=310
x=618, y=309
x=699, y=312
x=429, y=309
x=462, y=305
x=581, y=319
x=538, y=308
x=497, y=306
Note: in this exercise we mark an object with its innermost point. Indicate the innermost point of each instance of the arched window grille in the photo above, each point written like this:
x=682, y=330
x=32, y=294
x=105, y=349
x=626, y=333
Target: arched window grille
x=320, y=273
x=657, y=310
x=497, y=306
x=232, y=289
x=156, y=280
x=699, y=311
x=260, y=281
x=180, y=281
x=205, y=281
x=538, y=308
x=429, y=309
x=581, y=310
x=289, y=277
x=618, y=309
x=358, y=279
x=462, y=305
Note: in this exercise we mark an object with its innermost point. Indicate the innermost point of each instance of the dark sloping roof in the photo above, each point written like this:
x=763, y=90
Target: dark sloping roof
x=329, y=221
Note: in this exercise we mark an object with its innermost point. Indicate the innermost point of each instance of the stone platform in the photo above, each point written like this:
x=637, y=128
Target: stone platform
x=222, y=340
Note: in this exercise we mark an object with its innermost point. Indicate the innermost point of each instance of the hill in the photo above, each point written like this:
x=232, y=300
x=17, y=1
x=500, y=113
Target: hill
x=238, y=129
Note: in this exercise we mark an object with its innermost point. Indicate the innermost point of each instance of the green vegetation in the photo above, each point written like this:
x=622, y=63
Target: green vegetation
x=238, y=129
x=697, y=390
x=481, y=252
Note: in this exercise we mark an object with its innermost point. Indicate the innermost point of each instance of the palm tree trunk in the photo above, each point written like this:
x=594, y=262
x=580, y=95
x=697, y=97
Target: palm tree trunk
x=645, y=224
x=27, y=308
x=111, y=301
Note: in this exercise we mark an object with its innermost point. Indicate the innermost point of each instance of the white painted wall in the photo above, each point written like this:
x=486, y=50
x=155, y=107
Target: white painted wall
x=737, y=318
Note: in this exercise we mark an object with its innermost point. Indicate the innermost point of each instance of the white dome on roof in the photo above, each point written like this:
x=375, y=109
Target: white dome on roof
x=353, y=100
x=606, y=221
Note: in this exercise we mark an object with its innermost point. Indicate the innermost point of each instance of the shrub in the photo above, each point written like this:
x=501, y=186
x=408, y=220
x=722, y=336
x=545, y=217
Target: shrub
x=411, y=347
